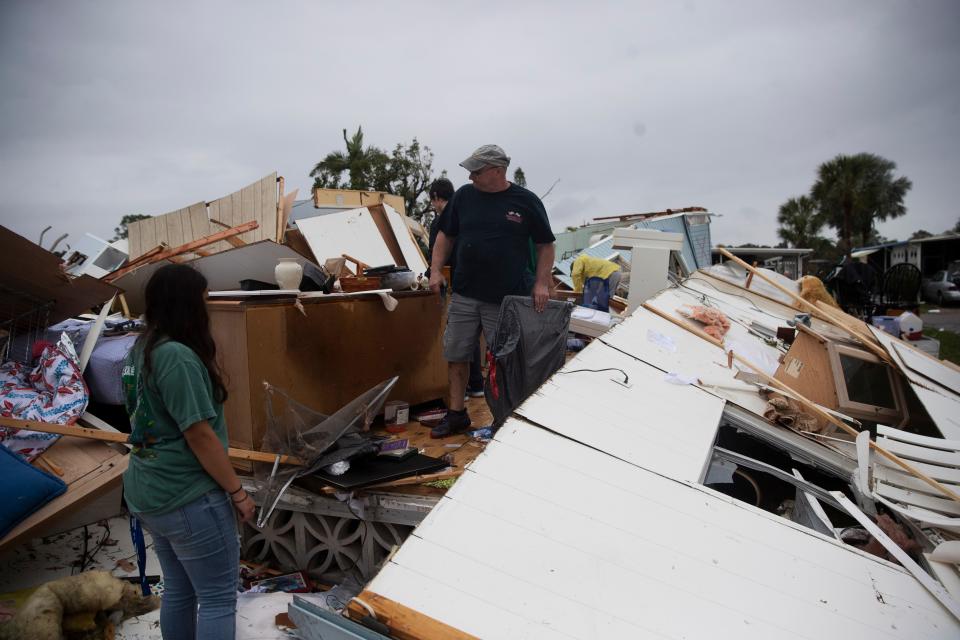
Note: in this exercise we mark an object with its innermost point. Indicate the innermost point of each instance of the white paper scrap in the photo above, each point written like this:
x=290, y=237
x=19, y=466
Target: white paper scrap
x=662, y=341
x=679, y=378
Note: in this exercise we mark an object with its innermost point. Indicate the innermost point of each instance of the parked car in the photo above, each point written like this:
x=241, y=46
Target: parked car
x=943, y=287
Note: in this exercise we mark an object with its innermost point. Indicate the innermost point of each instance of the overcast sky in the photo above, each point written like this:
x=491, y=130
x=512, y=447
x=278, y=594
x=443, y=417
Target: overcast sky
x=110, y=108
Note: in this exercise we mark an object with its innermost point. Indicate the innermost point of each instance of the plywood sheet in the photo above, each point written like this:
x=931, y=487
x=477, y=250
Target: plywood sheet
x=578, y=544
x=806, y=369
x=351, y=232
x=29, y=269
x=661, y=437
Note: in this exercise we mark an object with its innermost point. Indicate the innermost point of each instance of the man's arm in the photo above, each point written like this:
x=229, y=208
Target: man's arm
x=541, y=288
x=441, y=253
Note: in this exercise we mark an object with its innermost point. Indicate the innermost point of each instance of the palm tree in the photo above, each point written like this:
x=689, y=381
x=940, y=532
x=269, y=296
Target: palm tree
x=852, y=193
x=800, y=222
x=361, y=165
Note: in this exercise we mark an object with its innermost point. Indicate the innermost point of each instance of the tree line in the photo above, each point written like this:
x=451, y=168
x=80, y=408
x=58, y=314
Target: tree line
x=851, y=194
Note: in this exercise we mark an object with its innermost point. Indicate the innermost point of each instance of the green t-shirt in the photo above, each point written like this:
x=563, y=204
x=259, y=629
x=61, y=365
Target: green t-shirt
x=164, y=473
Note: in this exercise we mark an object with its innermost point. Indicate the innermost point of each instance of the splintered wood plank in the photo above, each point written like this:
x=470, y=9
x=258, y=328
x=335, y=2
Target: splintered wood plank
x=404, y=622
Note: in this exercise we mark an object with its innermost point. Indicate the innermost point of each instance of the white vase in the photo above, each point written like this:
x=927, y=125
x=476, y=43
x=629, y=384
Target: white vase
x=288, y=273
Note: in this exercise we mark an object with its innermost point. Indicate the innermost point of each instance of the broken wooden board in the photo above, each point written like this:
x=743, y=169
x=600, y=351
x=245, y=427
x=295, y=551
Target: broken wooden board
x=174, y=228
x=32, y=270
x=404, y=622
x=256, y=201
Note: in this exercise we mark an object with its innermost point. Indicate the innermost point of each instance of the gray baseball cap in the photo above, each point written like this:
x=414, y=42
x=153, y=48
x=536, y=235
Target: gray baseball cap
x=489, y=155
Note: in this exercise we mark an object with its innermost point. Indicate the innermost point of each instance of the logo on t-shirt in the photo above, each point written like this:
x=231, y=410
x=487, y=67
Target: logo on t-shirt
x=513, y=216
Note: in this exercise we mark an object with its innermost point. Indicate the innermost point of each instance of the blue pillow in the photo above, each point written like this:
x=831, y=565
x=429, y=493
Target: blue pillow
x=26, y=489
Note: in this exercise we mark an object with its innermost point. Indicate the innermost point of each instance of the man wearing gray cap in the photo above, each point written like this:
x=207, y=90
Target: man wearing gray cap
x=504, y=247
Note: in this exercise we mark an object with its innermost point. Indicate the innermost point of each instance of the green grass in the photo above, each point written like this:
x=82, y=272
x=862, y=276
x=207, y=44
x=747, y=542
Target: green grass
x=949, y=343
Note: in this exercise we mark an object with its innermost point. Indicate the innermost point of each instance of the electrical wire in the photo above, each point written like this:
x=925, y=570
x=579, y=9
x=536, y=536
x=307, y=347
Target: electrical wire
x=626, y=378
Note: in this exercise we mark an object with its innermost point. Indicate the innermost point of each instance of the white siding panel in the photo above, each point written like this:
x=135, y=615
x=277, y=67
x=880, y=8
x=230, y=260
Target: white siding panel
x=581, y=545
x=629, y=423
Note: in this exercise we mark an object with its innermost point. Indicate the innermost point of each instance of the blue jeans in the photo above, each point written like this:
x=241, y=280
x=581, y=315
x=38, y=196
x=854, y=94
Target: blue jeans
x=199, y=551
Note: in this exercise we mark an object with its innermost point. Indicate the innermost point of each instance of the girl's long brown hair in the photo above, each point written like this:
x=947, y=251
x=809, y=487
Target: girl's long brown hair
x=176, y=310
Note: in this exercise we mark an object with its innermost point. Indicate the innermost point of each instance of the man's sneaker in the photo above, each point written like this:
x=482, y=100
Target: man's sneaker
x=475, y=393
x=453, y=422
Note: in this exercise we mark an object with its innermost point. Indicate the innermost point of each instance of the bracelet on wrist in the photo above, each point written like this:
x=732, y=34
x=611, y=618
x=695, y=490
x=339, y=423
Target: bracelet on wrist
x=238, y=490
x=245, y=496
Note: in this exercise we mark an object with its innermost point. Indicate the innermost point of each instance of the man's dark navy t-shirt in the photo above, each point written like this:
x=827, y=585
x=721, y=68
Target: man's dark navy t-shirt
x=494, y=235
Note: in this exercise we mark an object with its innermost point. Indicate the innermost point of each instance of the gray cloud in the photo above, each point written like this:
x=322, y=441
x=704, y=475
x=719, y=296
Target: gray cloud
x=112, y=108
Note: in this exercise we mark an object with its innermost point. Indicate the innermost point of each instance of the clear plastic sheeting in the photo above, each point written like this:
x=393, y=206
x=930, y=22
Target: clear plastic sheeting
x=318, y=440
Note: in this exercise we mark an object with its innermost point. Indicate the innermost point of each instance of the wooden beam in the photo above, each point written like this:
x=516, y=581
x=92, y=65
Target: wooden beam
x=810, y=405
x=404, y=623
x=190, y=246
x=822, y=311
x=124, y=438
x=233, y=241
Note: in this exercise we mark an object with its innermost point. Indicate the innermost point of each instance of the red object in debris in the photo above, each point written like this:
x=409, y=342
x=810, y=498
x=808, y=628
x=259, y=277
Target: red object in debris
x=492, y=375
x=396, y=428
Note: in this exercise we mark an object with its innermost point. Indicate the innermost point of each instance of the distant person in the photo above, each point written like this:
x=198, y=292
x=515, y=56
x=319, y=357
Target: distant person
x=440, y=193
x=586, y=267
x=504, y=246
x=180, y=483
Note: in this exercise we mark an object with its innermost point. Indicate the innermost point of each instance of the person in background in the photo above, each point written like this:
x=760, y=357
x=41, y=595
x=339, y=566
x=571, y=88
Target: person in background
x=585, y=266
x=440, y=193
x=180, y=483
x=504, y=246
